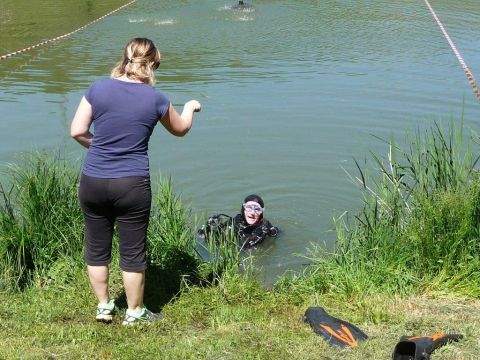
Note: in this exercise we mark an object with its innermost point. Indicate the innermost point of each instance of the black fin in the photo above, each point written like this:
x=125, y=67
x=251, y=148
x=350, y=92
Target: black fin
x=420, y=347
x=337, y=332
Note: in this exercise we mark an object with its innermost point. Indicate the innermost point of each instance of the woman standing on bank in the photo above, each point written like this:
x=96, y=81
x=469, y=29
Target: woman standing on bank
x=115, y=181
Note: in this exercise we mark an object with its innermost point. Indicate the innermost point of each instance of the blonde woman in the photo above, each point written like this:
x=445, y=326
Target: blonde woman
x=115, y=181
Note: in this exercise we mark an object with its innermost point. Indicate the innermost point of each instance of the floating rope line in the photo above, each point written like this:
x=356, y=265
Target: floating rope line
x=467, y=71
x=4, y=57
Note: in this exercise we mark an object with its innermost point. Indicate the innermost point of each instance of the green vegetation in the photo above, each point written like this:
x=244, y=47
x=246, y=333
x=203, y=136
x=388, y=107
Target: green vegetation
x=419, y=230
x=407, y=264
x=41, y=226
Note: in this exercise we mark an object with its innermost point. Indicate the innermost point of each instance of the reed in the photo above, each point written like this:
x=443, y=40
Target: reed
x=172, y=242
x=172, y=260
x=224, y=256
x=419, y=228
x=41, y=228
x=40, y=220
x=169, y=228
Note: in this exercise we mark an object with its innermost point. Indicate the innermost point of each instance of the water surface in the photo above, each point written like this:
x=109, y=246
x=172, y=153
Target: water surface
x=291, y=92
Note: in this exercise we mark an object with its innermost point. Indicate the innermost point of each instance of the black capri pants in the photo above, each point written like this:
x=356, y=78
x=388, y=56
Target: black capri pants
x=125, y=201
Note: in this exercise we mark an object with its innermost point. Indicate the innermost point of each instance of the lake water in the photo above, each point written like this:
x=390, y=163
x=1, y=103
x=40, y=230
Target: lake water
x=291, y=93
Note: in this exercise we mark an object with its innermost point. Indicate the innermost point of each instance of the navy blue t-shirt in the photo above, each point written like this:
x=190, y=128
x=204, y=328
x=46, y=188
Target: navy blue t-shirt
x=124, y=116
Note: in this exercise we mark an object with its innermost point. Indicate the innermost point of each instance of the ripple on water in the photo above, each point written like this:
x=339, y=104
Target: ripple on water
x=140, y=20
x=165, y=22
x=154, y=21
x=235, y=8
x=244, y=18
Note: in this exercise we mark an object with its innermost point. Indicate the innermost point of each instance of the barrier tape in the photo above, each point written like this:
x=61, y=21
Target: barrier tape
x=467, y=71
x=6, y=56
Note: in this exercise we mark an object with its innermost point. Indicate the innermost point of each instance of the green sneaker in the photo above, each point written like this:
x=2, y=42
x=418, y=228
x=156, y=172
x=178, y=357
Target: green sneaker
x=142, y=316
x=106, y=311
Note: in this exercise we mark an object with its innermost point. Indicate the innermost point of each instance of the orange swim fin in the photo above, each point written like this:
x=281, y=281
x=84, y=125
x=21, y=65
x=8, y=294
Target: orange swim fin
x=337, y=332
x=420, y=347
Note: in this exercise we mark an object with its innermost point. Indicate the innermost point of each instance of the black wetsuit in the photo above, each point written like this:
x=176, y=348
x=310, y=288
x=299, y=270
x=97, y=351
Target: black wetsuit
x=251, y=235
x=248, y=235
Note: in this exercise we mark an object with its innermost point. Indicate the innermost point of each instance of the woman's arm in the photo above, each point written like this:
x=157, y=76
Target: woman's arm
x=179, y=125
x=80, y=128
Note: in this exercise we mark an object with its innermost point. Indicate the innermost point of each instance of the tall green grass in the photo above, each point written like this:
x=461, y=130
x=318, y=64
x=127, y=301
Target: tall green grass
x=169, y=228
x=41, y=230
x=224, y=256
x=172, y=260
x=172, y=240
x=40, y=220
x=419, y=229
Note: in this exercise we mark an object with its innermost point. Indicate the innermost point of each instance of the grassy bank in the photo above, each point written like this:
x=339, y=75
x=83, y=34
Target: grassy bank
x=234, y=320
x=407, y=264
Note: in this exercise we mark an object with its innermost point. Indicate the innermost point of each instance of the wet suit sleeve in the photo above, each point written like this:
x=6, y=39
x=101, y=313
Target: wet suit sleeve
x=258, y=234
x=272, y=230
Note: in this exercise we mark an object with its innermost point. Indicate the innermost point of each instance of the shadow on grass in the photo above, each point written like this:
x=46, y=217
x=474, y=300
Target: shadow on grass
x=163, y=282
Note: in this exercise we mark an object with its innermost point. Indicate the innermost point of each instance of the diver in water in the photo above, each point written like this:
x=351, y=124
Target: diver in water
x=242, y=5
x=249, y=225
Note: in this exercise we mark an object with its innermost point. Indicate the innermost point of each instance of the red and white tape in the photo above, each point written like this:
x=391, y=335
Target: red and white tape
x=6, y=56
x=467, y=71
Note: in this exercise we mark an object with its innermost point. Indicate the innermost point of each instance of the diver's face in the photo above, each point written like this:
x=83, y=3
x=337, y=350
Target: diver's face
x=252, y=211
